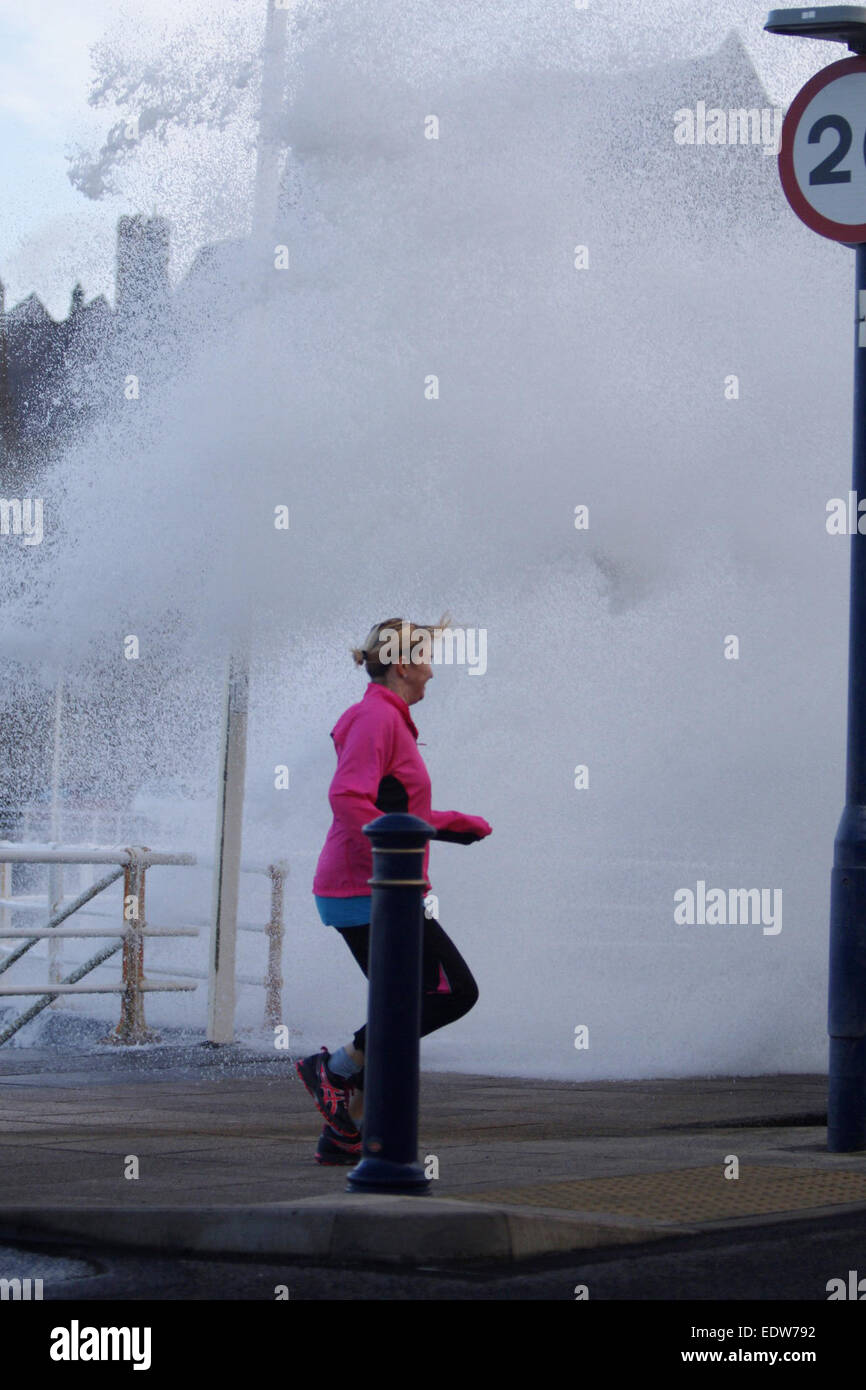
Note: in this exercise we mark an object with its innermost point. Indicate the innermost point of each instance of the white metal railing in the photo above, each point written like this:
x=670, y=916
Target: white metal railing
x=132, y=864
x=273, y=930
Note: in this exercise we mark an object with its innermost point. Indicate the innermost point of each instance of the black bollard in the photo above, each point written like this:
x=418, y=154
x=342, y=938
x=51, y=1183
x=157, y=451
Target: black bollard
x=389, y=1160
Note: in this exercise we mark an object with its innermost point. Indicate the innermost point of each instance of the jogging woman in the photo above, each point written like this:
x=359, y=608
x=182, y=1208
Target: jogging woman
x=379, y=769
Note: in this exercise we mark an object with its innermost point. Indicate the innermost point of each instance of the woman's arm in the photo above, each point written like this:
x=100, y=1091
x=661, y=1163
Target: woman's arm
x=454, y=823
x=361, y=761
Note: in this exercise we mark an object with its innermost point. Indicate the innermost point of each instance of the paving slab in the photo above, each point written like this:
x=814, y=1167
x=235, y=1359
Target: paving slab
x=525, y=1167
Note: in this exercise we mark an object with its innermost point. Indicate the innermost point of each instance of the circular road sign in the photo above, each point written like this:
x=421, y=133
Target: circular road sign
x=822, y=156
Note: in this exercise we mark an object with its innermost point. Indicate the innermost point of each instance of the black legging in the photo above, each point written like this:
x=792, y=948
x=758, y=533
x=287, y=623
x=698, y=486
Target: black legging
x=437, y=1006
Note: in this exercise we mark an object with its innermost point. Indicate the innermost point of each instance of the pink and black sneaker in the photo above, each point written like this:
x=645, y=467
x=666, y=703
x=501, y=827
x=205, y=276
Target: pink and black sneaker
x=335, y=1150
x=331, y=1093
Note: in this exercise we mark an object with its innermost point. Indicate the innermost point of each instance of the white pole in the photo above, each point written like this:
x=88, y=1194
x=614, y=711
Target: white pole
x=270, y=150
x=55, y=873
x=233, y=745
x=55, y=763
x=229, y=840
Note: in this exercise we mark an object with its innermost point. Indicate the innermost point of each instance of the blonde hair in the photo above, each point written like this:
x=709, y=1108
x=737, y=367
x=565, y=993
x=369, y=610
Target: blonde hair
x=382, y=634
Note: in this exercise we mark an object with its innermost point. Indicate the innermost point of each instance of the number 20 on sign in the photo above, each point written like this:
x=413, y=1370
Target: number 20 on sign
x=822, y=157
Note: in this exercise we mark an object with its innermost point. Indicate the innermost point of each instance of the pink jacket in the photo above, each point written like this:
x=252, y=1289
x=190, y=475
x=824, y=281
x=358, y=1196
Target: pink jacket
x=375, y=738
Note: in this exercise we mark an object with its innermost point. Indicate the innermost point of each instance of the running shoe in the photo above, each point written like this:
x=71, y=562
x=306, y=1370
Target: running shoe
x=331, y=1093
x=334, y=1151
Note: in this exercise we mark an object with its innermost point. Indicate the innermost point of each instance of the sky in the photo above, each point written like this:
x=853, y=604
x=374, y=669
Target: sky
x=49, y=234
x=52, y=235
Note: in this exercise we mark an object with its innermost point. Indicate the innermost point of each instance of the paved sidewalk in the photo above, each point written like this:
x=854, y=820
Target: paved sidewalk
x=224, y=1141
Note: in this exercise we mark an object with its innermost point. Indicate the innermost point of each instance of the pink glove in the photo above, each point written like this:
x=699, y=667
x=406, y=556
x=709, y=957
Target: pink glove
x=459, y=828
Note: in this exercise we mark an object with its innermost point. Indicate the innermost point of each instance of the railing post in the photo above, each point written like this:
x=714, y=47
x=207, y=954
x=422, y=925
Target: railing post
x=132, y=1029
x=274, y=930
x=94, y=840
x=5, y=892
x=55, y=903
x=391, y=1067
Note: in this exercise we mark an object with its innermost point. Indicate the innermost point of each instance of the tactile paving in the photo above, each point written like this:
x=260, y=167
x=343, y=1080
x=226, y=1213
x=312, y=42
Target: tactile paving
x=684, y=1195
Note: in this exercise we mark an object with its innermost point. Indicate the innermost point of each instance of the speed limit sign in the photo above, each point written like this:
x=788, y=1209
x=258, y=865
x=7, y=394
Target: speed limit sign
x=822, y=158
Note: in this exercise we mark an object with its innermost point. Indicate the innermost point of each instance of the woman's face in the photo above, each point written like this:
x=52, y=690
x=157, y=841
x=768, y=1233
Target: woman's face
x=411, y=680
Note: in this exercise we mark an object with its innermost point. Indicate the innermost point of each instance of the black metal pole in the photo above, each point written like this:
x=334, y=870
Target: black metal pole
x=389, y=1161
x=846, y=1124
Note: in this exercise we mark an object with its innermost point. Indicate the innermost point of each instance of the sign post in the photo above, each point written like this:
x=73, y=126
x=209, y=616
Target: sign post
x=822, y=165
